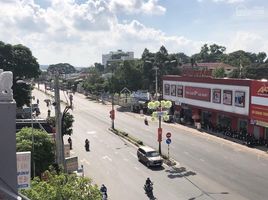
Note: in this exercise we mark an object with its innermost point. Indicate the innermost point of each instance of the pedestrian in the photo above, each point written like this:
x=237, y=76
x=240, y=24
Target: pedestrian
x=37, y=101
x=70, y=143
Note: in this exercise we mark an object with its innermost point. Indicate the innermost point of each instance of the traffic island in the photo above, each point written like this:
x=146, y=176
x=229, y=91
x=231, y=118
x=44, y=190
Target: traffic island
x=168, y=161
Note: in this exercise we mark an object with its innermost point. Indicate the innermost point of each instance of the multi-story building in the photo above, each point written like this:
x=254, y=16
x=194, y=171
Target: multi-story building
x=233, y=103
x=118, y=55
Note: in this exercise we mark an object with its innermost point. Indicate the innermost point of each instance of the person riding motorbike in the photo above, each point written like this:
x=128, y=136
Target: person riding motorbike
x=148, y=187
x=146, y=121
x=87, y=144
x=103, y=190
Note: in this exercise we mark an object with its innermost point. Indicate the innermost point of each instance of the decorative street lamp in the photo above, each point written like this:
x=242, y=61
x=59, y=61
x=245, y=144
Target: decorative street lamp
x=160, y=112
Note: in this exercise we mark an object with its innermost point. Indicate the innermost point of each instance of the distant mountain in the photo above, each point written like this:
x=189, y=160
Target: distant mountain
x=43, y=67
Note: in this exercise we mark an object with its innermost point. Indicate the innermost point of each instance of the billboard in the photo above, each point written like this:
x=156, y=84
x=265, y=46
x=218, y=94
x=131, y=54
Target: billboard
x=71, y=164
x=179, y=90
x=24, y=169
x=227, y=97
x=240, y=98
x=197, y=93
x=216, y=95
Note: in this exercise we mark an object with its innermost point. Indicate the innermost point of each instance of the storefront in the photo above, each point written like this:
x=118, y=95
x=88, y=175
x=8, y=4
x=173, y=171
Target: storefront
x=211, y=102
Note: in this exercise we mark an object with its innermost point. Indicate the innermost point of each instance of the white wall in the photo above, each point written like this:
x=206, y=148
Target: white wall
x=222, y=107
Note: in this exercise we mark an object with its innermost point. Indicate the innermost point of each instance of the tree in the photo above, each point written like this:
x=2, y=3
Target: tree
x=43, y=154
x=61, y=186
x=23, y=64
x=67, y=123
x=62, y=68
x=218, y=72
x=256, y=71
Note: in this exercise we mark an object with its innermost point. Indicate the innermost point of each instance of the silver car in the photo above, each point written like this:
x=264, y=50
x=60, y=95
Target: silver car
x=149, y=156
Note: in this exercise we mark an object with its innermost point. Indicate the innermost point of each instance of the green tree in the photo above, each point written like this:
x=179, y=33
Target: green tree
x=61, y=186
x=256, y=71
x=67, y=126
x=43, y=154
x=218, y=73
x=23, y=64
x=62, y=68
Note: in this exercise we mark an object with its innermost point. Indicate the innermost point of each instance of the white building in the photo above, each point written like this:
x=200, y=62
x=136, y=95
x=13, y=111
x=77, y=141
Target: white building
x=118, y=55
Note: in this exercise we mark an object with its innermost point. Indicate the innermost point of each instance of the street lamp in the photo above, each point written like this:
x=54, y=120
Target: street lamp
x=155, y=64
x=160, y=112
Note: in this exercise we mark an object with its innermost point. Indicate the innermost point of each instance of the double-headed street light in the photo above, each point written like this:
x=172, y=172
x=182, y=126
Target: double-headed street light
x=160, y=112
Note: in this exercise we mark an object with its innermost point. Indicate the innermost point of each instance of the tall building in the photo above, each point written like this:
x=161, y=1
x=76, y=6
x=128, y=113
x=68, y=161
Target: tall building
x=118, y=55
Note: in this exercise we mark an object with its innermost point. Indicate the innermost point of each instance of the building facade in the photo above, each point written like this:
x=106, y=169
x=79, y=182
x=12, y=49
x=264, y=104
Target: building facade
x=218, y=102
x=118, y=55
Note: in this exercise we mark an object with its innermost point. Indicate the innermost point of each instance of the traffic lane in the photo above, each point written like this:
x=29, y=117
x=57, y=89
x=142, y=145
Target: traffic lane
x=120, y=171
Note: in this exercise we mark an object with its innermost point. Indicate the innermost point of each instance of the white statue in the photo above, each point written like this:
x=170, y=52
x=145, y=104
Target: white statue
x=6, y=78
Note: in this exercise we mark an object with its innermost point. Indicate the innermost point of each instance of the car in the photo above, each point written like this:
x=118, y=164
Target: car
x=149, y=156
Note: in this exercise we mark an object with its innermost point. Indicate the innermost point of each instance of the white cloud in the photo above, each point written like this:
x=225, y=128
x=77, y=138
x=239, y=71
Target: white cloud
x=248, y=41
x=150, y=7
x=225, y=1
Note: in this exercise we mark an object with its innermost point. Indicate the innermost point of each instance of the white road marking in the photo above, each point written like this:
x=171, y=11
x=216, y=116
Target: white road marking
x=186, y=152
x=107, y=157
x=134, y=155
x=137, y=168
x=202, y=160
x=125, y=159
x=91, y=132
x=116, y=152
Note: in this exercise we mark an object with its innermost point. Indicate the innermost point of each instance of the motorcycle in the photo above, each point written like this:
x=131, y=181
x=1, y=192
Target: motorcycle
x=87, y=145
x=104, y=196
x=148, y=188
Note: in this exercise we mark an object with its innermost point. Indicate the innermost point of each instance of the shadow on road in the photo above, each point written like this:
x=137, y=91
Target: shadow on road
x=157, y=168
x=207, y=194
x=179, y=172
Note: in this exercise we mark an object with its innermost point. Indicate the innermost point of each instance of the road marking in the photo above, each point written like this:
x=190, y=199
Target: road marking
x=91, y=132
x=202, y=160
x=134, y=155
x=137, y=168
x=186, y=152
x=125, y=159
x=116, y=152
x=107, y=157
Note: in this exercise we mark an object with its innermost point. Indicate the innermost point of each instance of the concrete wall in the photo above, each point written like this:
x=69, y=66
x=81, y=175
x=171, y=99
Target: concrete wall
x=8, y=165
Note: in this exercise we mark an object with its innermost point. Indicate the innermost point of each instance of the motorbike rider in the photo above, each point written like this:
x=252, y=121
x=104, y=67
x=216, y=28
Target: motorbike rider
x=146, y=121
x=87, y=144
x=148, y=185
x=103, y=190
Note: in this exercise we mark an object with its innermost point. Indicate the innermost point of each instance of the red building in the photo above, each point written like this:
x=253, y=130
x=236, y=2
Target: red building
x=228, y=102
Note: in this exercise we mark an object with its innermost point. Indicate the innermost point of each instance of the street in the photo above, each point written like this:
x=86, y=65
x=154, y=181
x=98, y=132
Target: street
x=208, y=167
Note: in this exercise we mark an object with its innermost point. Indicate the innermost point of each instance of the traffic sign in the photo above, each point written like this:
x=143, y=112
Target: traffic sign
x=168, y=141
x=168, y=135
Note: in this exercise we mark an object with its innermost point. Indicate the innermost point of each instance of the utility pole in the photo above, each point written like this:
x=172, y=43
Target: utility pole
x=59, y=144
x=156, y=84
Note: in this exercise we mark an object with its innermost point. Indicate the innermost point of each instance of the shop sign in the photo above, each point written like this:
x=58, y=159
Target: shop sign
x=23, y=169
x=259, y=113
x=198, y=93
x=259, y=89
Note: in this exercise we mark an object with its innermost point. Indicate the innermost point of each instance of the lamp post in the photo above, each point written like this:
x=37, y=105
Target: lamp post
x=160, y=112
x=156, y=68
x=112, y=112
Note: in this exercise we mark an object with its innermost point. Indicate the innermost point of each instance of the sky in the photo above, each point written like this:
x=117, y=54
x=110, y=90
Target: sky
x=80, y=31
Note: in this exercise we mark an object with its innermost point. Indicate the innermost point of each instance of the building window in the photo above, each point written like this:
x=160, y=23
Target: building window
x=216, y=95
x=239, y=99
x=167, y=89
x=173, y=90
x=179, y=90
x=227, y=97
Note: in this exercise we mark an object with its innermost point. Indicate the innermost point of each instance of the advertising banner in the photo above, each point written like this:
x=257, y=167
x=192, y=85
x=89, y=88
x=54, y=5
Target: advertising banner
x=71, y=164
x=24, y=169
x=227, y=97
x=173, y=90
x=216, y=95
x=167, y=89
x=239, y=98
x=179, y=90
x=197, y=93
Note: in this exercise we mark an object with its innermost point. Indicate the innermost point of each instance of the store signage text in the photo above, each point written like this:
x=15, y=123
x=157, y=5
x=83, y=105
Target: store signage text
x=198, y=93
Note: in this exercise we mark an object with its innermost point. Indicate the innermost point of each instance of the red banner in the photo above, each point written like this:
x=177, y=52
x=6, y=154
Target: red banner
x=198, y=93
x=259, y=113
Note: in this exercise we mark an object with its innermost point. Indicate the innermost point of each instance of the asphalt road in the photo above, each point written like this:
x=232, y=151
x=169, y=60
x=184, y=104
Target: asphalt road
x=208, y=167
